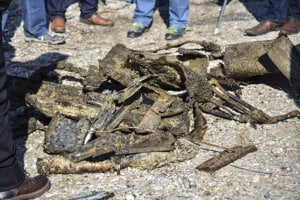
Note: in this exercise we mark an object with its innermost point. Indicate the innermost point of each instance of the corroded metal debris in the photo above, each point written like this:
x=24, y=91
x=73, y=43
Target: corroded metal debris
x=226, y=157
x=56, y=164
x=137, y=105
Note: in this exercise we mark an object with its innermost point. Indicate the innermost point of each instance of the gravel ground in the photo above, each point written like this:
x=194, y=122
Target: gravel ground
x=272, y=172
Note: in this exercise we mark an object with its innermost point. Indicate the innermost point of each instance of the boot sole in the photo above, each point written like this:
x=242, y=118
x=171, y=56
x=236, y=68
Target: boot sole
x=254, y=34
x=58, y=30
x=86, y=21
x=37, y=40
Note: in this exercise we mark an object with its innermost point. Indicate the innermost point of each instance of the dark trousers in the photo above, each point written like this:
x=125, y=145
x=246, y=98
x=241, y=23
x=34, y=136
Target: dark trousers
x=11, y=175
x=57, y=8
x=280, y=10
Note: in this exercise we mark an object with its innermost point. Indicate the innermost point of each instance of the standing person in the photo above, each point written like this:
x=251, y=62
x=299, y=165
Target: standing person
x=13, y=182
x=281, y=15
x=88, y=14
x=36, y=23
x=143, y=16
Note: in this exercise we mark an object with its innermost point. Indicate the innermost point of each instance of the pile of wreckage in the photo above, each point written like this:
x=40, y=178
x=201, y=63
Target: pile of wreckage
x=144, y=109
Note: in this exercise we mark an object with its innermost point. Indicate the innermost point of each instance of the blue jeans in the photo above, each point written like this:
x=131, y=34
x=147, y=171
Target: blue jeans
x=34, y=17
x=280, y=10
x=57, y=8
x=178, y=12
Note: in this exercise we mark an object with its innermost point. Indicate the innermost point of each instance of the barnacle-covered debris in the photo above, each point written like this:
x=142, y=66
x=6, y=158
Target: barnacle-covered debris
x=184, y=150
x=65, y=135
x=244, y=60
x=141, y=118
x=70, y=101
x=226, y=157
x=125, y=67
x=110, y=143
x=287, y=59
x=230, y=106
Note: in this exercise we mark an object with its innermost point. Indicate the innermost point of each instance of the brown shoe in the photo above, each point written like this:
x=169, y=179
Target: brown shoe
x=291, y=26
x=30, y=188
x=96, y=19
x=263, y=27
x=58, y=25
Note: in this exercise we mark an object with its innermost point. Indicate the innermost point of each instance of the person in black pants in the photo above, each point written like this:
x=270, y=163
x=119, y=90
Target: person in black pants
x=281, y=15
x=13, y=182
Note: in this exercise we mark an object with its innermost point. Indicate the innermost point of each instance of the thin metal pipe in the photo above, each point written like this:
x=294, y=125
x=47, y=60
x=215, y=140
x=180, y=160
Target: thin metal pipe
x=220, y=17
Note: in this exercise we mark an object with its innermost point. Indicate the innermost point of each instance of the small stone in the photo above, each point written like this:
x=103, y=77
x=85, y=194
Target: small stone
x=256, y=179
x=129, y=196
x=277, y=150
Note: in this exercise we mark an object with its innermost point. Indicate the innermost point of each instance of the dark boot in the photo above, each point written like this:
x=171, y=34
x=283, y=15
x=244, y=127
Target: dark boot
x=30, y=188
x=263, y=27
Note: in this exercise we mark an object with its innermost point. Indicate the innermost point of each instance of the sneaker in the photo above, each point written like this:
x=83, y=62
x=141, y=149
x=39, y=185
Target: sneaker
x=136, y=30
x=47, y=38
x=174, y=32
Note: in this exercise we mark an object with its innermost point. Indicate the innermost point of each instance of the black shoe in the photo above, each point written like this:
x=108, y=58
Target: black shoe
x=136, y=30
x=29, y=189
x=174, y=32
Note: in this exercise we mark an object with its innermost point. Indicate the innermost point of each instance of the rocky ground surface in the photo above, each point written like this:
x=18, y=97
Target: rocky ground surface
x=272, y=172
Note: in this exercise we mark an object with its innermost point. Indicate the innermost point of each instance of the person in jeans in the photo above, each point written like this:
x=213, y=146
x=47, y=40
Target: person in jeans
x=88, y=14
x=13, y=182
x=281, y=15
x=36, y=23
x=143, y=16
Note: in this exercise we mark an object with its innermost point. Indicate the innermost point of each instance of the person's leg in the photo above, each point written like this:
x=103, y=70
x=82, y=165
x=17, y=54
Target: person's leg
x=178, y=18
x=56, y=8
x=292, y=23
x=143, y=16
x=10, y=172
x=294, y=10
x=36, y=24
x=34, y=17
x=13, y=182
x=179, y=13
x=277, y=11
x=88, y=8
x=89, y=15
x=143, y=13
x=273, y=20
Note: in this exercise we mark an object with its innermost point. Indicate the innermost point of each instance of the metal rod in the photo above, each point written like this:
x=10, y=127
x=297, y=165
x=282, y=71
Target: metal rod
x=220, y=17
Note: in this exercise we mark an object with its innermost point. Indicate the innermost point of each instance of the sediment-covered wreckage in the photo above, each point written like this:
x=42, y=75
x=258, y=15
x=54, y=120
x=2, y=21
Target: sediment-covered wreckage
x=144, y=109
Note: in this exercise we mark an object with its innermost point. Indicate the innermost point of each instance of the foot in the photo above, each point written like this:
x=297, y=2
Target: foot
x=136, y=30
x=58, y=25
x=291, y=26
x=174, y=32
x=96, y=19
x=47, y=38
x=263, y=27
x=29, y=189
